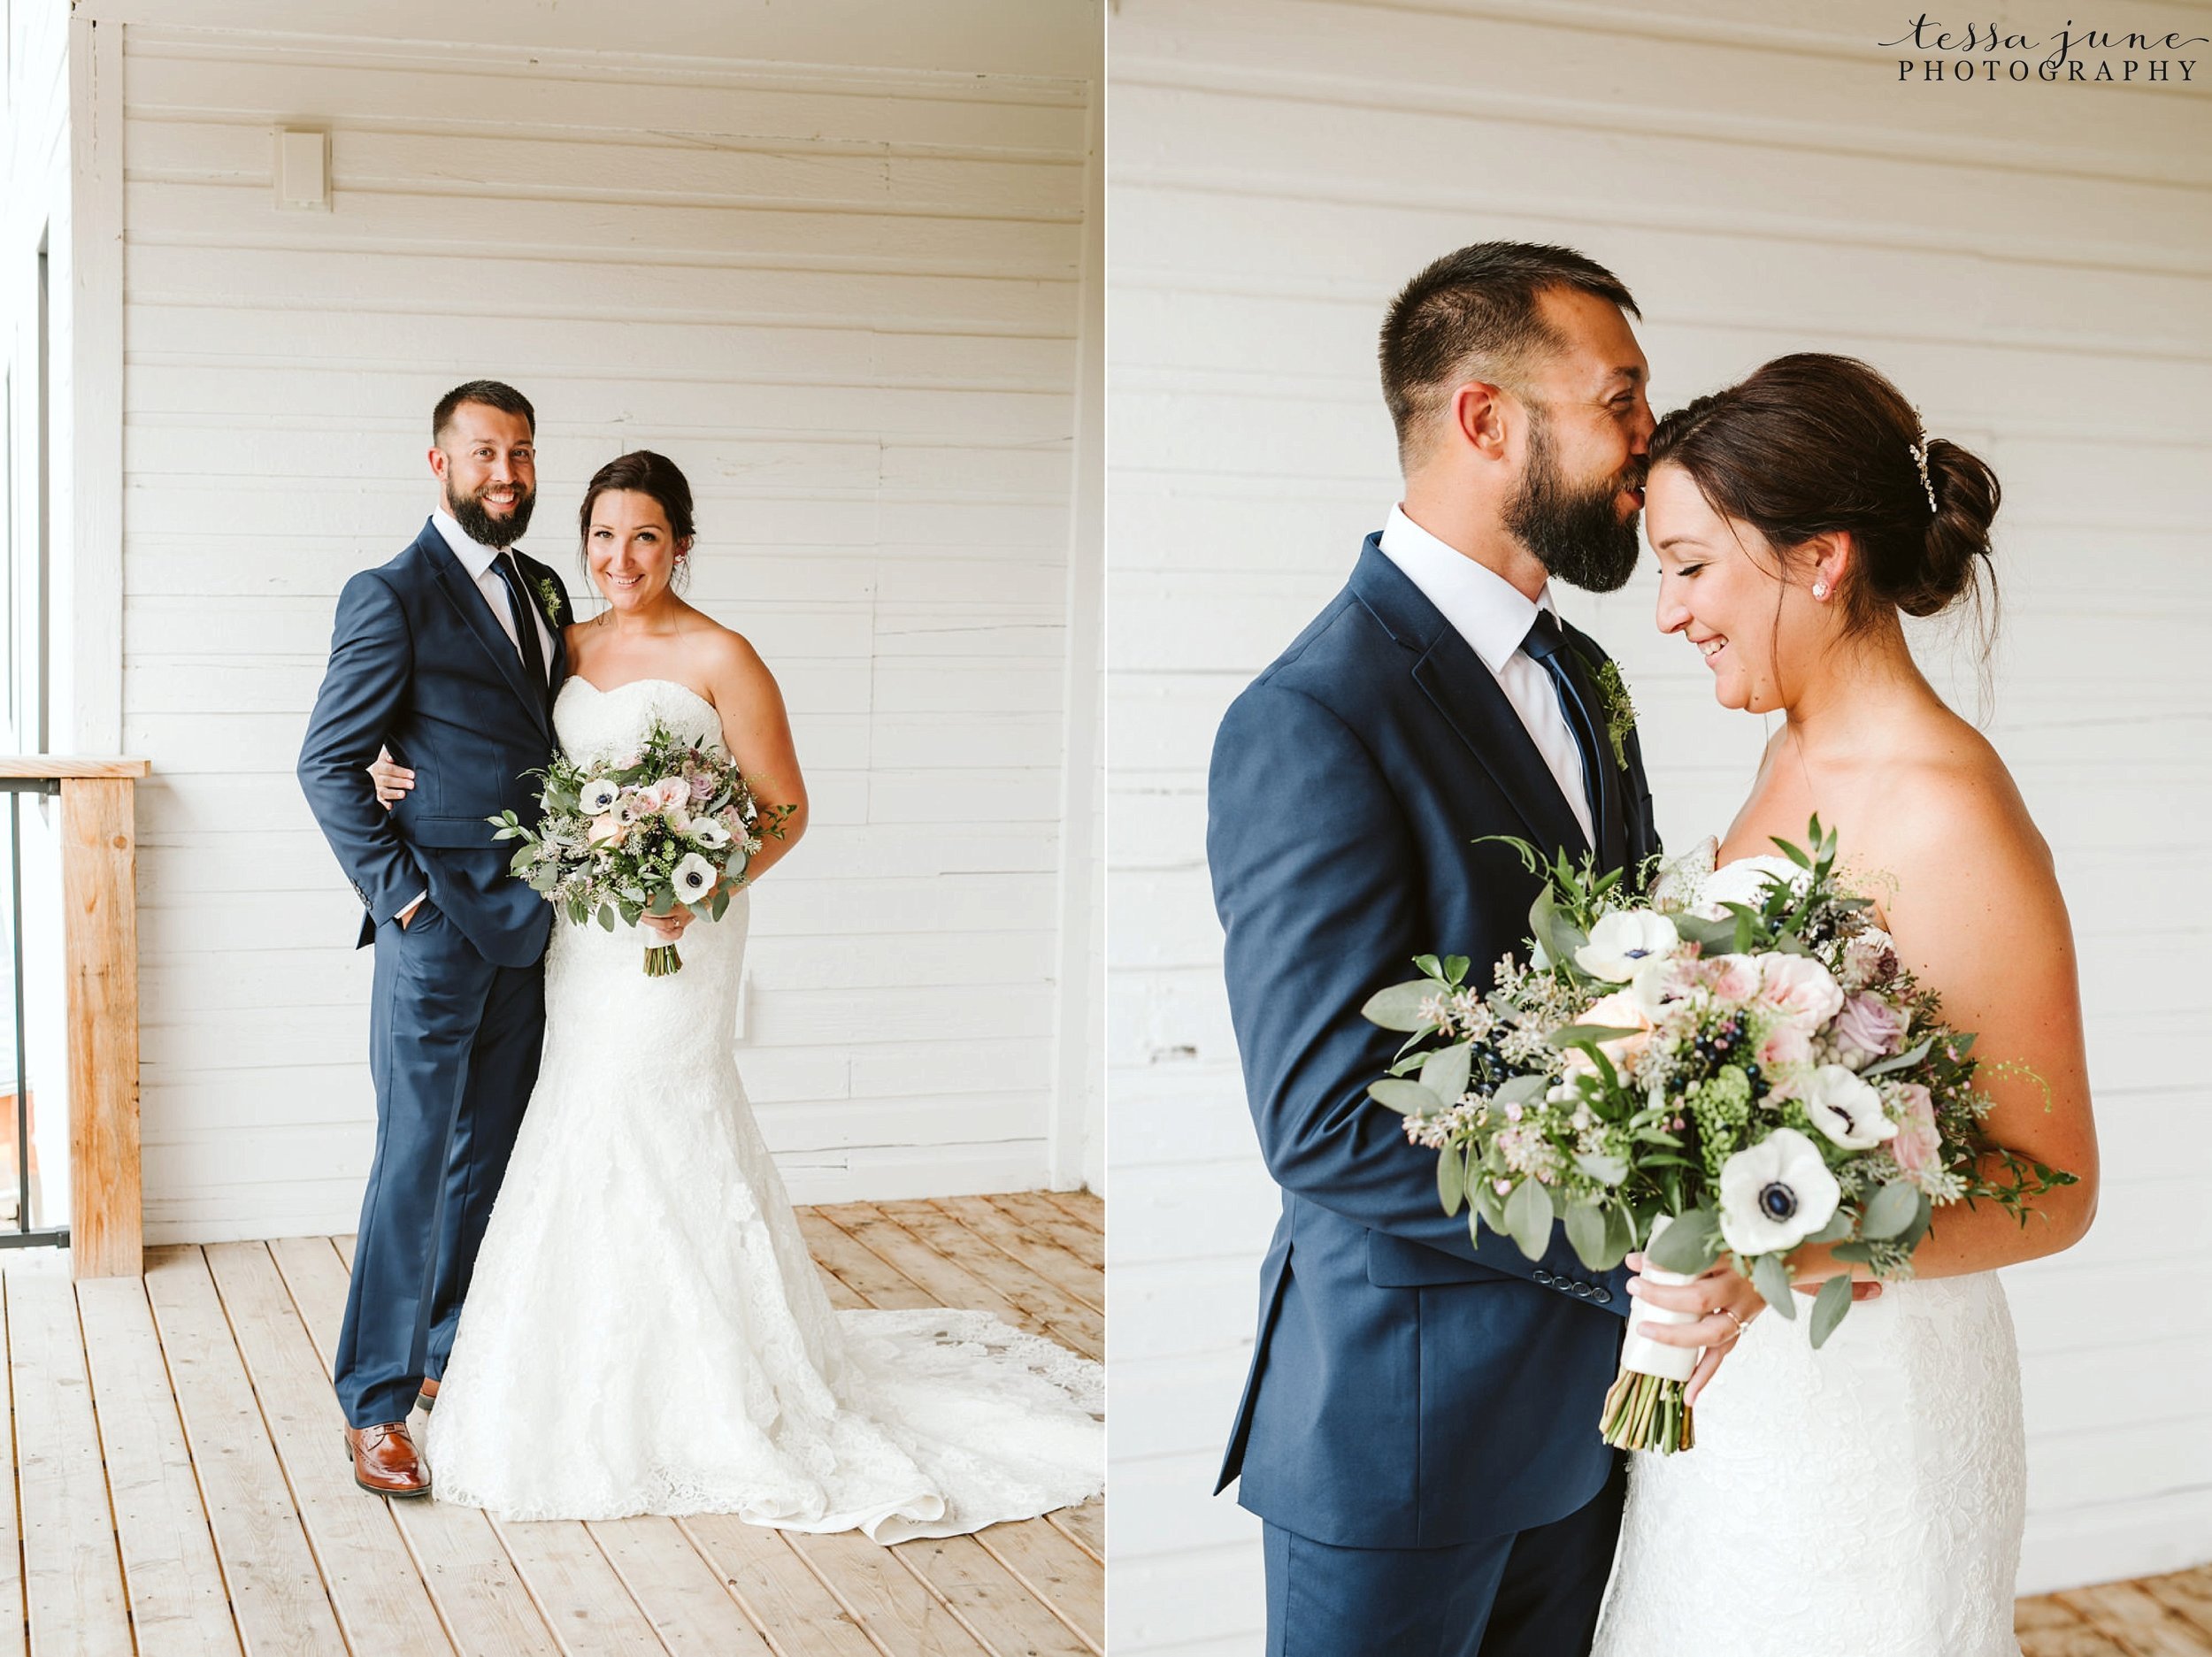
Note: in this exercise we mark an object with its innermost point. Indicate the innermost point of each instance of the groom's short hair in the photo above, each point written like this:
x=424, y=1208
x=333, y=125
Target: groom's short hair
x=494, y=394
x=1474, y=314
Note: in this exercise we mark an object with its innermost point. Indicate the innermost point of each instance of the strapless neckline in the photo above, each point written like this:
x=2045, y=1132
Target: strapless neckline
x=628, y=684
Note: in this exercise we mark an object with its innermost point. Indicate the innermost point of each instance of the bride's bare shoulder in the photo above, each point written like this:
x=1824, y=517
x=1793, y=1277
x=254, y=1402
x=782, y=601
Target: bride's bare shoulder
x=1951, y=803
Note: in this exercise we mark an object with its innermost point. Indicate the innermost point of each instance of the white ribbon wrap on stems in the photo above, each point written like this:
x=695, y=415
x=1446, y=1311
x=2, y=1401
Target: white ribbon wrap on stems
x=1640, y=1352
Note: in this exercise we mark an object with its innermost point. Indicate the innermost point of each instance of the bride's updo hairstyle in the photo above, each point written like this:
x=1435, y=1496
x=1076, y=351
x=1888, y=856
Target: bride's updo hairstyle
x=643, y=473
x=1812, y=445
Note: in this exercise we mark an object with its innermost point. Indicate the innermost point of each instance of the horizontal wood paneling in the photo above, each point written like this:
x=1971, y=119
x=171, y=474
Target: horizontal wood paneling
x=2032, y=267
x=845, y=298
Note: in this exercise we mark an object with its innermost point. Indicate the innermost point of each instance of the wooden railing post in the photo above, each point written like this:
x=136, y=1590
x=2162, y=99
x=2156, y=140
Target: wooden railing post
x=99, y=864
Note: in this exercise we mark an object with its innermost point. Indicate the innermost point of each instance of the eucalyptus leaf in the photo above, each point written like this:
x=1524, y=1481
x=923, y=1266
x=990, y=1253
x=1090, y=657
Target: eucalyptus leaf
x=1839, y=1227
x=1620, y=1234
x=606, y=917
x=1588, y=1035
x=1829, y=1306
x=1487, y=1203
x=1430, y=964
x=1688, y=1246
x=1528, y=1217
x=1585, y=1234
x=1521, y=1090
x=1408, y=1098
x=1451, y=1178
x=1771, y=1278
x=1904, y=1060
x=1602, y=1166
x=1895, y=1206
x=1399, y=1007
x=1855, y=1254
x=1445, y=1071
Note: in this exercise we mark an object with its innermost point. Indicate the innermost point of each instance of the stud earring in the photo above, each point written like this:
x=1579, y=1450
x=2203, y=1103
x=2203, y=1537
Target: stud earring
x=1820, y=589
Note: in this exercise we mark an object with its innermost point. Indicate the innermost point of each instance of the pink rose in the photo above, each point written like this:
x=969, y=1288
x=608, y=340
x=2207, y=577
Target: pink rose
x=607, y=830
x=669, y=792
x=1790, y=1042
x=1620, y=1011
x=1733, y=977
x=1870, y=1028
x=1917, y=1143
x=1800, y=987
x=703, y=787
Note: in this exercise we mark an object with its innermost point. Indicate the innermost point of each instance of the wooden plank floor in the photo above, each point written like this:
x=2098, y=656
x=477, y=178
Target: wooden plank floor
x=2158, y=1616
x=181, y=1487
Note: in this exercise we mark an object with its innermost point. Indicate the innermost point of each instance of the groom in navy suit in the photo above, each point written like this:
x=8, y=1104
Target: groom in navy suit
x=1420, y=1431
x=448, y=657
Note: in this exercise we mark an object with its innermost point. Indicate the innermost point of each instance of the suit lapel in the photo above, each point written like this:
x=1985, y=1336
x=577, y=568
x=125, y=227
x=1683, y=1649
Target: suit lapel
x=453, y=580
x=555, y=624
x=1465, y=692
x=1454, y=678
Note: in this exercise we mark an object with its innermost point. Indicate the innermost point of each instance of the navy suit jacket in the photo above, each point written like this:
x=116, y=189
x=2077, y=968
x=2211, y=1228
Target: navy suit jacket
x=419, y=664
x=1409, y=1388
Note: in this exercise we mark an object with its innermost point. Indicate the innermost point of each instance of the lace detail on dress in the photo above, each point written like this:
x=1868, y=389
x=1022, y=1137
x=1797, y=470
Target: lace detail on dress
x=1867, y=1497
x=645, y=1331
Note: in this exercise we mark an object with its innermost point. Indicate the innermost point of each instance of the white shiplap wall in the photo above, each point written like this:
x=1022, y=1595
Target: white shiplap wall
x=846, y=298
x=2032, y=264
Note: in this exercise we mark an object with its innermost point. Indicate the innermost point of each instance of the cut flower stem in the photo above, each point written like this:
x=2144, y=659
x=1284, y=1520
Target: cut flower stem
x=1646, y=1412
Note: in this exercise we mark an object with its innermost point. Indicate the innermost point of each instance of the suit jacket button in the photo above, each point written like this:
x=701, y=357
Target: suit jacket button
x=1543, y=1276
x=1586, y=1291
x=1602, y=1296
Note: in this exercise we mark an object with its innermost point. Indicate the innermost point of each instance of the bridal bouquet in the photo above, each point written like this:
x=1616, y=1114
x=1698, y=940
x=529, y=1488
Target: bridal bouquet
x=1742, y=1066
x=671, y=824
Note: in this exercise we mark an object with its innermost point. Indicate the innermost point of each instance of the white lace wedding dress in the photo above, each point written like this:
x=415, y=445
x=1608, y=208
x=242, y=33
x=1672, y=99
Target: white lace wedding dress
x=1867, y=1497
x=645, y=1331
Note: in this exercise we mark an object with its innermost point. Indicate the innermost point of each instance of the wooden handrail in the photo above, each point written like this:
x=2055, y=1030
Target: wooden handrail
x=69, y=766
x=99, y=890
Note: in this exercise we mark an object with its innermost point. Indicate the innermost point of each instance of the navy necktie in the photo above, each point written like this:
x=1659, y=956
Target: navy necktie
x=526, y=615
x=1548, y=644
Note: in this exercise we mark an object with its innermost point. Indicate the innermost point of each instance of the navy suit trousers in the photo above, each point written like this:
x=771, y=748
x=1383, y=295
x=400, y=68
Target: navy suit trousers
x=454, y=1042
x=1531, y=1594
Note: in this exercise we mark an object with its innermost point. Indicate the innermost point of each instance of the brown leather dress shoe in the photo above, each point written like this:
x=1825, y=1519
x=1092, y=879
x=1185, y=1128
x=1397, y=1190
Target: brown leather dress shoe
x=384, y=1461
x=426, y=1396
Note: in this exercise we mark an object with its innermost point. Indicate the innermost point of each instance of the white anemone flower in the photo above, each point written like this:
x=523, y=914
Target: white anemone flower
x=709, y=834
x=694, y=877
x=1621, y=942
x=1776, y=1194
x=1748, y=880
x=1847, y=1110
x=597, y=797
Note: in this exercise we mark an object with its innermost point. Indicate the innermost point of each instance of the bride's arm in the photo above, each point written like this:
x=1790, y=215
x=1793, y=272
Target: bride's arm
x=1978, y=917
x=757, y=733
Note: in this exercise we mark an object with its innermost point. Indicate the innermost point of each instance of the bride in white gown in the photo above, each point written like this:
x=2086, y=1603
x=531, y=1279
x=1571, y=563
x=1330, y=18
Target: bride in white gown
x=1867, y=1497
x=645, y=1331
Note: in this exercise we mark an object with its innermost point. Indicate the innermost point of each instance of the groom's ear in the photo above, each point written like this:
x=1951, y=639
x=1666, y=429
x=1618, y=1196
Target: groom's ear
x=1479, y=413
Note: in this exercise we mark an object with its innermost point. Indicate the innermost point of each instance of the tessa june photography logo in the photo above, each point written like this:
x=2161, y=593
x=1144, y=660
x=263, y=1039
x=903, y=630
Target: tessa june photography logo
x=1985, y=52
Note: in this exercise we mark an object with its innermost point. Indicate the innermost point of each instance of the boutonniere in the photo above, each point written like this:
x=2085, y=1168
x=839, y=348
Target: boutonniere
x=1619, y=711
x=549, y=596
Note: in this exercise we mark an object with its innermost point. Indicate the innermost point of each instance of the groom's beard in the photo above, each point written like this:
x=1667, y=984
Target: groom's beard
x=485, y=530
x=1576, y=534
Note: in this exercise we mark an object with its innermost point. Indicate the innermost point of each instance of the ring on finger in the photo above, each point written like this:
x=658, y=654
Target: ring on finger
x=1730, y=1314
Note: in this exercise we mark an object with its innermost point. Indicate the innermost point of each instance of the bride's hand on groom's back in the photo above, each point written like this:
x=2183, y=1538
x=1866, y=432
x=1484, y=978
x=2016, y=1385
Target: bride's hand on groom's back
x=1723, y=1303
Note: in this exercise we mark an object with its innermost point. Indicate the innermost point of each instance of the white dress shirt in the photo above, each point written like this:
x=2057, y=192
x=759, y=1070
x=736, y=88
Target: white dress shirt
x=1493, y=617
x=478, y=559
